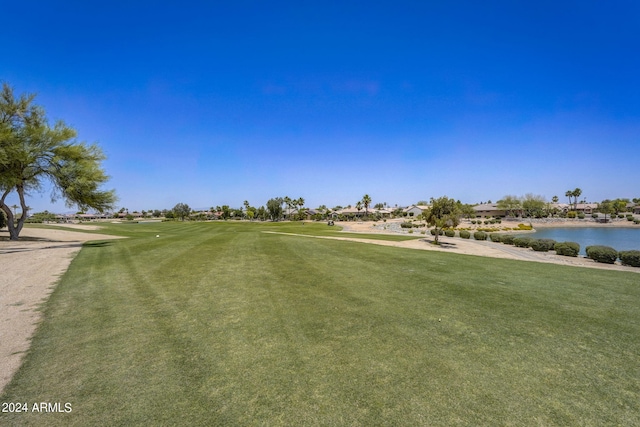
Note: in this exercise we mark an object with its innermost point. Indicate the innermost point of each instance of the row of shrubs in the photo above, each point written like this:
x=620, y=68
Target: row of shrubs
x=411, y=225
x=487, y=221
x=598, y=253
x=609, y=255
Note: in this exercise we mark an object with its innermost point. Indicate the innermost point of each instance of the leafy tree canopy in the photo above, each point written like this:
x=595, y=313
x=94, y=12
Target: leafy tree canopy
x=444, y=212
x=31, y=152
x=181, y=211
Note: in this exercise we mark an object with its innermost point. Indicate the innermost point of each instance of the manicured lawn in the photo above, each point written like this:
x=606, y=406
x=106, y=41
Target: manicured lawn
x=221, y=324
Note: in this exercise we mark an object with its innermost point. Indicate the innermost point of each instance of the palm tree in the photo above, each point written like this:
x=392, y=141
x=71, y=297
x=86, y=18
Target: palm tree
x=366, y=201
x=287, y=201
x=569, y=194
x=300, y=204
x=576, y=193
x=359, y=207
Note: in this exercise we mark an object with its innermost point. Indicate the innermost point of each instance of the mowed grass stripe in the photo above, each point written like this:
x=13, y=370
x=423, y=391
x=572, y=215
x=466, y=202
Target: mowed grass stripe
x=222, y=324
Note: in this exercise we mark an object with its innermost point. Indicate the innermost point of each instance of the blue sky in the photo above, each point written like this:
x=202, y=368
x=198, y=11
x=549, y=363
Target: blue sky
x=212, y=103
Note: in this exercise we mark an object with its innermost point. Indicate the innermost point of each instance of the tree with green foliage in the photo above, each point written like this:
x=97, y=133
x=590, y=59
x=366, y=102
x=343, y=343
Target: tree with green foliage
x=444, y=212
x=533, y=205
x=510, y=204
x=274, y=208
x=3, y=219
x=181, y=211
x=620, y=205
x=607, y=208
x=32, y=152
x=466, y=210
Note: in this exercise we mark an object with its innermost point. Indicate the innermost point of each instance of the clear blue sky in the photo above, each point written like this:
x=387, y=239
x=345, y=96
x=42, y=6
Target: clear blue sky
x=212, y=103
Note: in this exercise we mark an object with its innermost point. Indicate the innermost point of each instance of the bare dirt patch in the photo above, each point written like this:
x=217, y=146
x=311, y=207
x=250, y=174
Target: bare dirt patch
x=30, y=269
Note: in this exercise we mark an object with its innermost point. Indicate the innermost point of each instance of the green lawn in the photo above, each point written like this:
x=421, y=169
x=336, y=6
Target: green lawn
x=221, y=324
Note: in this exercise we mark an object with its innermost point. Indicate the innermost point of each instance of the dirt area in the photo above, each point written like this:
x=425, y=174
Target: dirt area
x=30, y=269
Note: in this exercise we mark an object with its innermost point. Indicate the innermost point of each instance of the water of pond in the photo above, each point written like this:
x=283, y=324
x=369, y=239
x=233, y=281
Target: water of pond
x=621, y=239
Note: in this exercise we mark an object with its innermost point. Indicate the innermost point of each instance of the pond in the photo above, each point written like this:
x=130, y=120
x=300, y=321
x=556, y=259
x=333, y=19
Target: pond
x=621, y=239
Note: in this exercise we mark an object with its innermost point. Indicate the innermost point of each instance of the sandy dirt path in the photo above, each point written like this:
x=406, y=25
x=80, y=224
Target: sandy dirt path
x=29, y=270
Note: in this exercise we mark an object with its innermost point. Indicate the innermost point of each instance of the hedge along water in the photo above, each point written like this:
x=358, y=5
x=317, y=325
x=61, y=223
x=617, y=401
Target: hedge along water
x=621, y=239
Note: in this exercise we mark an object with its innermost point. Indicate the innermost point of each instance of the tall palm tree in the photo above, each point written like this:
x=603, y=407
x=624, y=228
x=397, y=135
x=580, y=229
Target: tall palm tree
x=299, y=204
x=287, y=201
x=576, y=193
x=366, y=201
x=359, y=207
x=569, y=194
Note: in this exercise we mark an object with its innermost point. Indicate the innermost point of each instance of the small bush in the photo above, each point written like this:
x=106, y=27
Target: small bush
x=631, y=258
x=542, y=245
x=411, y=231
x=567, y=248
x=629, y=217
x=433, y=232
x=572, y=214
x=636, y=221
x=480, y=235
x=522, y=242
x=604, y=254
x=406, y=225
x=495, y=237
x=594, y=215
x=580, y=215
x=449, y=233
x=620, y=216
x=507, y=239
x=465, y=234
x=524, y=227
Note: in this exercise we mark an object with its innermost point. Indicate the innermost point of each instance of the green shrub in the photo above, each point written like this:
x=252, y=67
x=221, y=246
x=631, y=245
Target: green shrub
x=524, y=227
x=406, y=225
x=631, y=258
x=572, y=214
x=567, y=248
x=411, y=231
x=465, y=234
x=636, y=221
x=580, y=215
x=629, y=217
x=542, y=245
x=620, y=216
x=594, y=215
x=449, y=233
x=507, y=239
x=433, y=232
x=495, y=237
x=480, y=235
x=604, y=254
x=522, y=242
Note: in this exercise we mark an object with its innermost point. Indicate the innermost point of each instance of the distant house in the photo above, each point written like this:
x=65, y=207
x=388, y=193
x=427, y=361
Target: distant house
x=384, y=213
x=636, y=209
x=93, y=216
x=489, y=209
x=586, y=208
x=415, y=210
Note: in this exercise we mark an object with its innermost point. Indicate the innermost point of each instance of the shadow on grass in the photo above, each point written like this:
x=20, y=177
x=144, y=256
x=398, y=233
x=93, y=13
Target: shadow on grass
x=96, y=244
